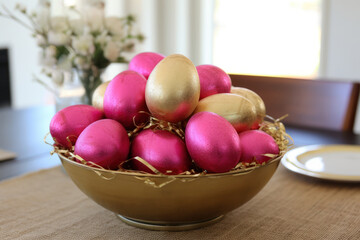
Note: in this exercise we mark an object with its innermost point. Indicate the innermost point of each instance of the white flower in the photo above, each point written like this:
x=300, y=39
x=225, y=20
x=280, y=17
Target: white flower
x=129, y=47
x=57, y=77
x=81, y=63
x=83, y=44
x=48, y=58
x=102, y=39
x=112, y=51
x=50, y=52
x=115, y=25
x=59, y=24
x=42, y=18
x=40, y=40
x=77, y=25
x=94, y=16
x=58, y=38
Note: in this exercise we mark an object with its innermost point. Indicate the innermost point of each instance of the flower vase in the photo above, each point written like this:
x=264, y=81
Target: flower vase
x=71, y=92
x=90, y=80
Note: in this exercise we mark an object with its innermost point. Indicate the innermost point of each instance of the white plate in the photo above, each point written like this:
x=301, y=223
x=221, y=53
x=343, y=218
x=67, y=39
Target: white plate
x=331, y=162
x=6, y=155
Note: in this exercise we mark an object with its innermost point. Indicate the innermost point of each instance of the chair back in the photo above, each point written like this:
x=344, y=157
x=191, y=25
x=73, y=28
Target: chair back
x=310, y=103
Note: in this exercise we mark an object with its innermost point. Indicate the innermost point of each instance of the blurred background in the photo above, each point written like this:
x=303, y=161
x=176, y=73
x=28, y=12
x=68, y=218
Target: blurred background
x=312, y=39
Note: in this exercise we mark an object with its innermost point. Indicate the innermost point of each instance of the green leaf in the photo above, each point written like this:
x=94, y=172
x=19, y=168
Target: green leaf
x=121, y=60
x=98, y=59
x=61, y=51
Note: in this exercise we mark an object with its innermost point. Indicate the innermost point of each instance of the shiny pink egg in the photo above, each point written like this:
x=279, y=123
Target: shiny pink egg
x=105, y=143
x=213, y=80
x=124, y=98
x=163, y=150
x=212, y=142
x=145, y=62
x=256, y=143
x=67, y=124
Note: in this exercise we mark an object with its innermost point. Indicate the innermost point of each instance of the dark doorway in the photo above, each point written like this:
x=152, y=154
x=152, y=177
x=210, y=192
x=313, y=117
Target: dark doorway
x=5, y=98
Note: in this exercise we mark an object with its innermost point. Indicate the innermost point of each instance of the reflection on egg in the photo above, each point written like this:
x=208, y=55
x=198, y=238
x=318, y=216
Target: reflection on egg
x=212, y=142
x=239, y=111
x=256, y=143
x=256, y=100
x=213, y=80
x=145, y=62
x=163, y=150
x=125, y=98
x=67, y=124
x=104, y=142
x=98, y=96
x=173, y=89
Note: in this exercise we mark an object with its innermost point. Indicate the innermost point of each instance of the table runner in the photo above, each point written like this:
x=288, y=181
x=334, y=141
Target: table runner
x=47, y=205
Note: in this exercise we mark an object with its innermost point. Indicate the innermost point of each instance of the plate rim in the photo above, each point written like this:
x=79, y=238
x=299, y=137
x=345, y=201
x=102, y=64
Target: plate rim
x=289, y=161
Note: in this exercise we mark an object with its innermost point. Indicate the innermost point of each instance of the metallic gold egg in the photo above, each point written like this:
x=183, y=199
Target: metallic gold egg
x=239, y=111
x=255, y=99
x=173, y=89
x=98, y=96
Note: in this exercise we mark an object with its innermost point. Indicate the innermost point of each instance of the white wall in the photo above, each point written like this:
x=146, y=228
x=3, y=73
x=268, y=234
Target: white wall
x=341, y=43
x=169, y=28
x=23, y=54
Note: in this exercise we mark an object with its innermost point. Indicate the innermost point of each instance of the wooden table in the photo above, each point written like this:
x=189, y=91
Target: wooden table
x=22, y=131
x=47, y=205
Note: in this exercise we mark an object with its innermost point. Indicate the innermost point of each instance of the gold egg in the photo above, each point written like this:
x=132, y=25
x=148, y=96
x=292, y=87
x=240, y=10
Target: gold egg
x=239, y=111
x=173, y=89
x=255, y=99
x=98, y=96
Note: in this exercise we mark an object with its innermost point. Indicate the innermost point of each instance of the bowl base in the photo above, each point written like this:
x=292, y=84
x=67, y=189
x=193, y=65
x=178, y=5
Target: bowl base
x=168, y=227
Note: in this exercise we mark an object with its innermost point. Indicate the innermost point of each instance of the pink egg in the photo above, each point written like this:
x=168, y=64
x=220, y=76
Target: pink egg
x=162, y=149
x=145, y=62
x=125, y=97
x=213, y=80
x=71, y=121
x=256, y=143
x=212, y=142
x=105, y=143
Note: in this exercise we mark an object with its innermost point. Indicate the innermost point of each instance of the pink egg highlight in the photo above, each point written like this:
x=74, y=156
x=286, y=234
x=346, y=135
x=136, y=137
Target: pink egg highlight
x=213, y=80
x=145, y=62
x=71, y=121
x=125, y=97
x=105, y=143
x=212, y=142
x=256, y=143
x=163, y=150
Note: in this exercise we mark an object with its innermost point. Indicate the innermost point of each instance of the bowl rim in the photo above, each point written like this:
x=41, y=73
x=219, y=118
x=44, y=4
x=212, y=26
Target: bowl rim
x=142, y=174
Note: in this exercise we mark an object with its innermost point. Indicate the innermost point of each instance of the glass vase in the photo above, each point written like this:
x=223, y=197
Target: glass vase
x=71, y=92
x=90, y=80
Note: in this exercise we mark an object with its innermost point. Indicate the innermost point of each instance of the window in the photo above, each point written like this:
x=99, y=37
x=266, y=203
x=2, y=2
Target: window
x=261, y=37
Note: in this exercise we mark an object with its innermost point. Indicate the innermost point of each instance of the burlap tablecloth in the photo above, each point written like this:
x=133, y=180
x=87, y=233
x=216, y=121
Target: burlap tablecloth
x=47, y=205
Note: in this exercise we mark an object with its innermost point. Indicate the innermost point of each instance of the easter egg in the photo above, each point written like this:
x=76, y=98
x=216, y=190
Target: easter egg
x=98, y=96
x=104, y=142
x=254, y=144
x=145, y=62
x=67, y=124
x=254, y=99
x=239, y=111
x=163, y=150
x=212, y=142
x=125, y=98
x=173, y=89
x=213, y=80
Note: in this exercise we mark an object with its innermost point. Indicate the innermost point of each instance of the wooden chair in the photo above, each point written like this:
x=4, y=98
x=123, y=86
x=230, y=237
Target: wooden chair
x=310, y=103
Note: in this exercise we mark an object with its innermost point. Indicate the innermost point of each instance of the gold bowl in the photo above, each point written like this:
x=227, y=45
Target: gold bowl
x=175, y=202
